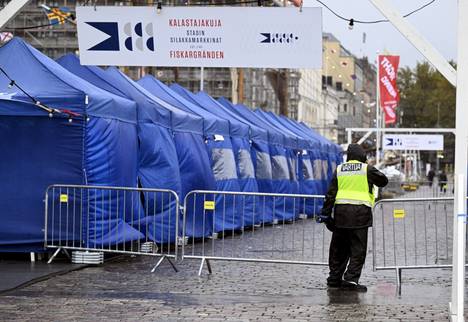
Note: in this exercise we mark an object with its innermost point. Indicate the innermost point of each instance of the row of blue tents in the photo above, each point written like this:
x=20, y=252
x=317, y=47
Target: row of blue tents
x=113, y=131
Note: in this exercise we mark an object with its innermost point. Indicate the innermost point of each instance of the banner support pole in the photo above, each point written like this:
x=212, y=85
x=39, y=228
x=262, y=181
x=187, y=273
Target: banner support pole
x=202, y=78
x=377, y=117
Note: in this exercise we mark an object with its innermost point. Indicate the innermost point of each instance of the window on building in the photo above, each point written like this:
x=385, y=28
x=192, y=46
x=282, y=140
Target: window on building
x=345, y=108
x=339, y=107
x=330, y=80
x=354, y=110
x=339, y=86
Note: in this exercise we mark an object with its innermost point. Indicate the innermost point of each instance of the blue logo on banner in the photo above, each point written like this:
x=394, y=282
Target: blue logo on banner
x=393, y=142
x=113, y=42
x=278, y=38
x=112, y=30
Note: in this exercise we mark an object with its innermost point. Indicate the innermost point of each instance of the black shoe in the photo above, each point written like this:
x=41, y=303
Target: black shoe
x=353, y=286
x=334, y=283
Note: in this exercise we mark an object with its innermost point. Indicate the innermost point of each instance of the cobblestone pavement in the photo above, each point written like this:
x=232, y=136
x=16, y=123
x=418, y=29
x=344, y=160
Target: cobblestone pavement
x=126, y=290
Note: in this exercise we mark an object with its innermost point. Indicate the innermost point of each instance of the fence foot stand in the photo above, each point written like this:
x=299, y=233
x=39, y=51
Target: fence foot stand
x=398, y=280
x=66, y=253
x=57, y=252
x=208, y=266
x=160, y=262
x=172, y=264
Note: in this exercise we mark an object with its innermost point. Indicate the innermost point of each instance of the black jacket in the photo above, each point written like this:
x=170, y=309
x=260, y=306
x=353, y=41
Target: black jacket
x=352, y=216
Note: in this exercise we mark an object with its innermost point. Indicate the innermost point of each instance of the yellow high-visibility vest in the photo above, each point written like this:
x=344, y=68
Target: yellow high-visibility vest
x=353, y=187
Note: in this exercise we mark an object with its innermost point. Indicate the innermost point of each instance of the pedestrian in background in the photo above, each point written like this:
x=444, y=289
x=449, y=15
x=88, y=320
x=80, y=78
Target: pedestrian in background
x=442, y=182
x=347, y=212
x=430, y=177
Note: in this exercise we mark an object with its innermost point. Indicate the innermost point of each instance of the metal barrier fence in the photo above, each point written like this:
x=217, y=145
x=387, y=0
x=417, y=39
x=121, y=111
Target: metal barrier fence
x=90, y=219
x=417, y=189
x=412, y=233
x=254, y=227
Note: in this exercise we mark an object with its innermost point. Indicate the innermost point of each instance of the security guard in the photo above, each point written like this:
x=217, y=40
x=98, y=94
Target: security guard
x=350, y=198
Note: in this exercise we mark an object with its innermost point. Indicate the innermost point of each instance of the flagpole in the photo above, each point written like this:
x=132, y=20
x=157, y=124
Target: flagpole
x=377, y=116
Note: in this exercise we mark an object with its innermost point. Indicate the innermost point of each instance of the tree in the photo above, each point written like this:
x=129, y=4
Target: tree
x=427, y=100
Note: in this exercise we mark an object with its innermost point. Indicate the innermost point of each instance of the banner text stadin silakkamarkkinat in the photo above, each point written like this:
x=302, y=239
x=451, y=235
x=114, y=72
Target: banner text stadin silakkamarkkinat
x=200, y=37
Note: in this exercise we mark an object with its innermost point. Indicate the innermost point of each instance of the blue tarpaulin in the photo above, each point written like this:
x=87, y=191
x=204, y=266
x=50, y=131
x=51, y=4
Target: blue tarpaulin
x=219, y=148
x=311, y=159
x=156, y=152
x=224, y=168
x=165, y=144
x=244, y=160
x=98, y=147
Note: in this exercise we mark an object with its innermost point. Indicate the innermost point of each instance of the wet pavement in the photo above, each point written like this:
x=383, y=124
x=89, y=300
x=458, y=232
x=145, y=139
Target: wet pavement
x=126, y=290
x=17, y=271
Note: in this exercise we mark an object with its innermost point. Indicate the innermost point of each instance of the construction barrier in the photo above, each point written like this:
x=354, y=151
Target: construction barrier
x=412, y=233
x=255, y=227
x=92, y=220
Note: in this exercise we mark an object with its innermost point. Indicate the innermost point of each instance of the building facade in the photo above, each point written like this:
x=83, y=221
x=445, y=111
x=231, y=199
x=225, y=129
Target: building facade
x=354, y=80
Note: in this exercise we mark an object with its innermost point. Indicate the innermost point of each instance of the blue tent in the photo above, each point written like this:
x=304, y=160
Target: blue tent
x=312, y=178
x=313, y=158
x=226, y=174
x=263, y=156
x=283, y=150
x=187, y=129
x=172, y=153
x=241, y=135
x=244, y=158
x=311, y=183
x=329, y=152
x=98, y=147
x=261, y=152
x=219, y=148
x=156, y=151
x=290, y=152
x=335, y=149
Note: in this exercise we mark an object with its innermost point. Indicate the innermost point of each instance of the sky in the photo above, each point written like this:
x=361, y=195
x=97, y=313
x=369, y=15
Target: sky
x=437, y=23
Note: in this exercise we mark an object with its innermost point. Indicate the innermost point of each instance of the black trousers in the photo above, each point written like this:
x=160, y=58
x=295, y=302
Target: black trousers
x=348, y=249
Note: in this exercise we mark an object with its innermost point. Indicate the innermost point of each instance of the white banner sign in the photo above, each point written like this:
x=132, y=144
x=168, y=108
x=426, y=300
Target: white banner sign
x=413, y=142
x=200, y=36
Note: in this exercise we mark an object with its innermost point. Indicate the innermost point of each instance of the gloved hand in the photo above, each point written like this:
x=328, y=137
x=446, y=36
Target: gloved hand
x=320, y=218
x=327, y=220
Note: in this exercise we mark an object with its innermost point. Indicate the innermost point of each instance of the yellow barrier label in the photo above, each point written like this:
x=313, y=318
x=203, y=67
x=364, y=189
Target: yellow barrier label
x=64, y=198
x=209, y=205
x=398, y=213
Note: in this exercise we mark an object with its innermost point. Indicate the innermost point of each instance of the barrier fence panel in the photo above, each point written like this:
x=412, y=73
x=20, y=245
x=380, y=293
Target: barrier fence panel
x=112, y=220
x=412, y=233
x=417, y=189
x=254, y=227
